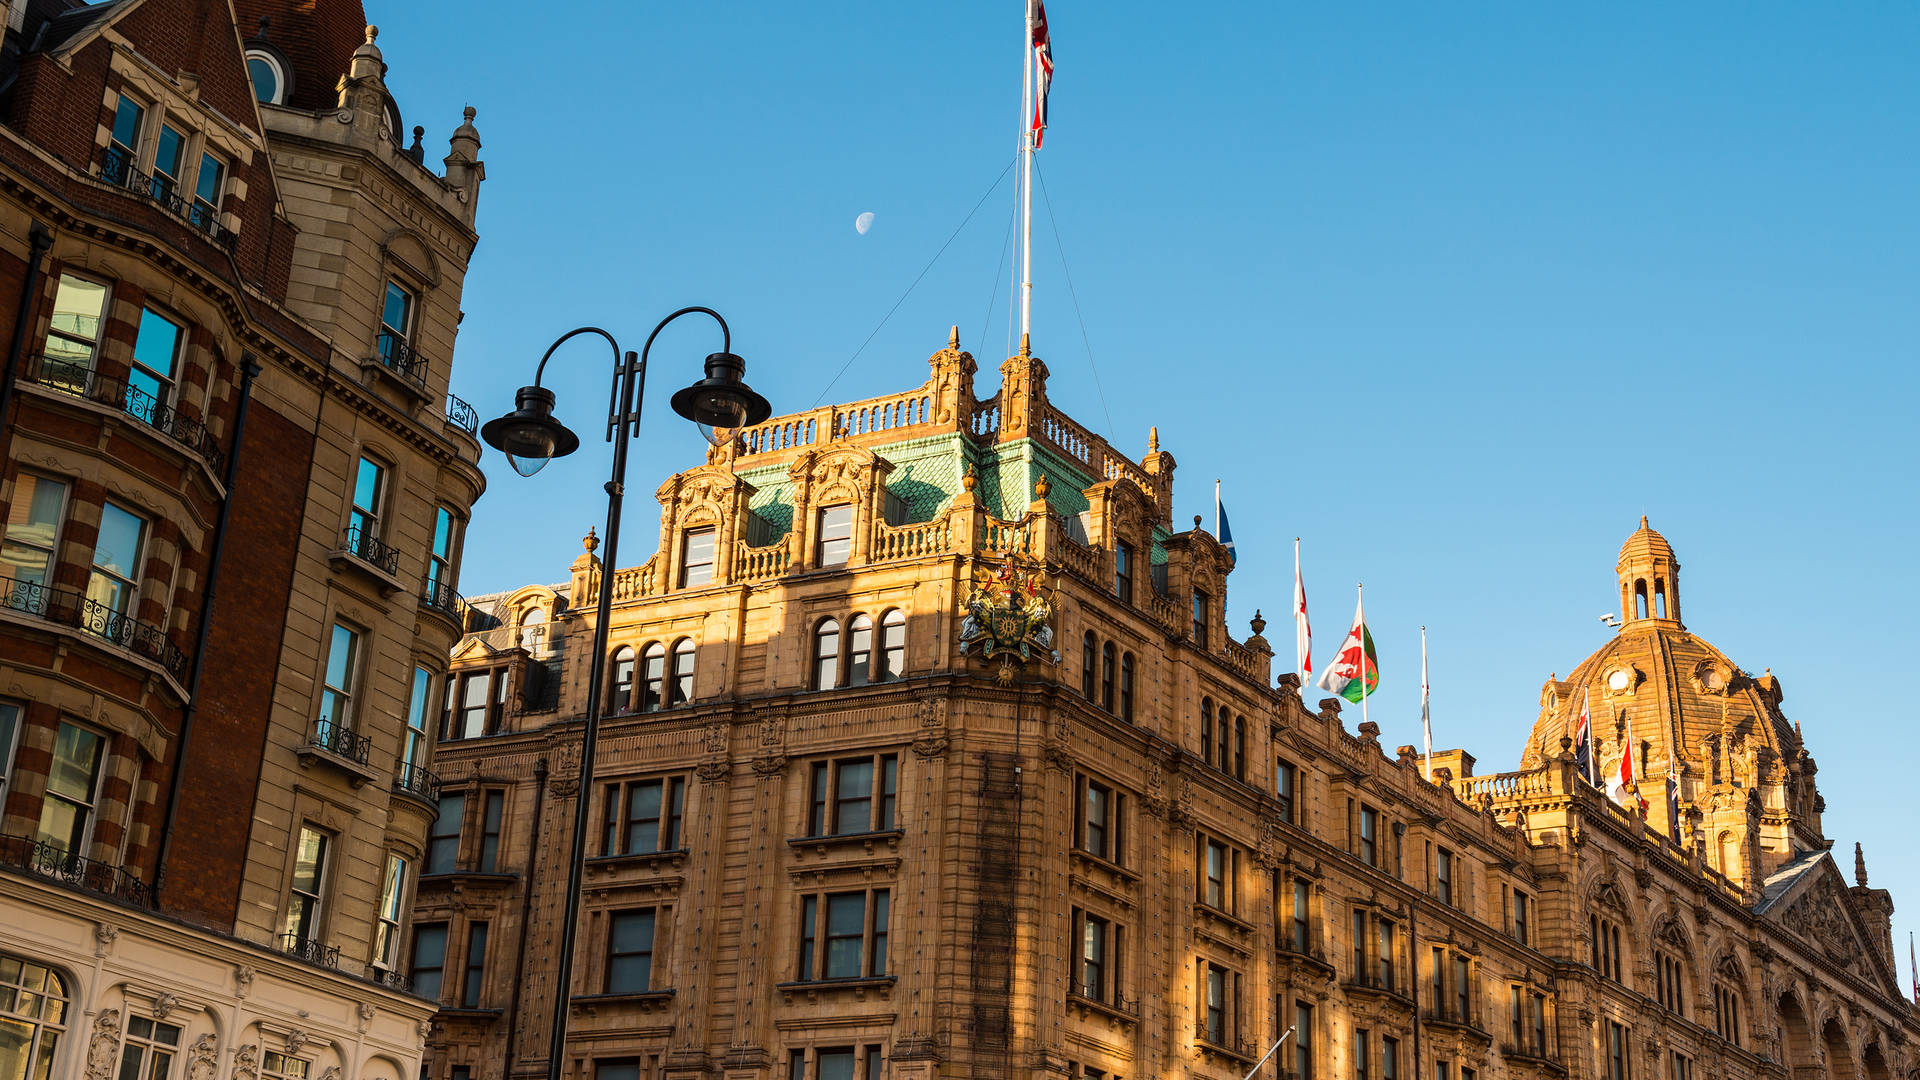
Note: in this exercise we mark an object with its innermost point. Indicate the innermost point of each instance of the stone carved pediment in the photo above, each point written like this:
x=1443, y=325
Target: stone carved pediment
x=1822, y=915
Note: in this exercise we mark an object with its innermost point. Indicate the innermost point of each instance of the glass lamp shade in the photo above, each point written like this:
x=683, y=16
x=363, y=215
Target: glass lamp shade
x=529, y=435
x=722, y=399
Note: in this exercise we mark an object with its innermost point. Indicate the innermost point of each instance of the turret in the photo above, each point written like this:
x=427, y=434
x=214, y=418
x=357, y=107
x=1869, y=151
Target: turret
x=1649, y=579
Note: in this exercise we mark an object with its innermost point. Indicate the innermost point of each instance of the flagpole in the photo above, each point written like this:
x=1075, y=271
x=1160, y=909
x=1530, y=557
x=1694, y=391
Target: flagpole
x=1302, y=637
x=1026, y=182
x=1360, y=597
x=1426, y=722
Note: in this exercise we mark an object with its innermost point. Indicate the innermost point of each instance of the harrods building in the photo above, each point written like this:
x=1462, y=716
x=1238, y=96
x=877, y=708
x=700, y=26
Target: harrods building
x=829, y=841
x=233, y=488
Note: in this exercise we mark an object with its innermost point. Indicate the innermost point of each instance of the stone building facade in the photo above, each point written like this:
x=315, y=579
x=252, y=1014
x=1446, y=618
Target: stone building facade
x=232, y=489
x=829, y=842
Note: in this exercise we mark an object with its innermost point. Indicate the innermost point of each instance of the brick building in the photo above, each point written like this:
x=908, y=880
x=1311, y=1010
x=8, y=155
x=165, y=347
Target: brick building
x=829, y=841
x=233, y=489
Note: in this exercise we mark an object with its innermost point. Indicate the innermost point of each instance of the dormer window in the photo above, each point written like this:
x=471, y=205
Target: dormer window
x=1123, y=572
x=834, y=545
x=123, y=147
x=169, y=157
x=269, y=79
x=1202, y=614
x=696, y=557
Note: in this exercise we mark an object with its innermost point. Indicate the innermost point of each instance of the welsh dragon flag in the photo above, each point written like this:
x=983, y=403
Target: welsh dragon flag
x=1343, y=674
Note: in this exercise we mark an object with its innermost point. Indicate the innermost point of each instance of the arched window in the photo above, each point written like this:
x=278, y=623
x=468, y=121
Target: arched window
x=653, y=677
x=34, y=1014
x=1126, y=687
x=1206, y=730
x=826, y=655
x=682, y=688
x=1240, y=746
x=859, y=650
x=1640, y=599
x=1660, y=597
x=620, y=684
x=1106, y=676
x=893, y=645
x=1087, y=663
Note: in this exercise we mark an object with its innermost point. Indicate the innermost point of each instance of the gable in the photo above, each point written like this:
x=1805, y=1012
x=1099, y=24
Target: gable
x=1813, y=907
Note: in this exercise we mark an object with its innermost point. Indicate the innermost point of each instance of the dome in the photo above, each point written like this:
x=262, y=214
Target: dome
x=1644, y=546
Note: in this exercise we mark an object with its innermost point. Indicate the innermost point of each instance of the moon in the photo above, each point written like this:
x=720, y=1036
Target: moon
x=864, y=222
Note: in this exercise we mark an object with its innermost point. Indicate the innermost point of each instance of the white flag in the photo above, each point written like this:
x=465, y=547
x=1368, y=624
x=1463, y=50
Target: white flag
x=1426, y=716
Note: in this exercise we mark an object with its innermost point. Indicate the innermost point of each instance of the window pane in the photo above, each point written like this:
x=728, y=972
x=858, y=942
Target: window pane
x=33, y=520
x=836, y=535
x=77, y=304
x=126, y=123
x=855, y=806
x=696, y=557
x=76, y=760
x=397, y=311
x=206, y=185
x=836, y=1064
x=119, y=542
x=166, y=156
x=266, y=83
x=846, y=917
x=154, y=350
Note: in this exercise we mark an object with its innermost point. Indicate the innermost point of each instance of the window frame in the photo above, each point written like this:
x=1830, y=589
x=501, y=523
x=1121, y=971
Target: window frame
x=125, y=589
x=827, y=641
x=816, y=940
x=1097, y=945
x=1369, y=851
x=473, y=968
x=438, y=841
x=1123, y=571
x=422, y=934
x=619, y=821
x=652, y=677
x=313, y=914
x=390, y=913
x=1286, y=779
x=86, y=814
x=826, y=803
x=279, y=95
x=890, y=653
x=696, y=573
x=827, y=549
x=1202, y=616
x=616, y=955
x=859, y=649
x=365, y=515
x=681, y=660
x=1109, y=664
x=146, y=1050
x=336, y=712
x=1110, y=846
x=74, y=337
x=1126, y=687
x=10, y=529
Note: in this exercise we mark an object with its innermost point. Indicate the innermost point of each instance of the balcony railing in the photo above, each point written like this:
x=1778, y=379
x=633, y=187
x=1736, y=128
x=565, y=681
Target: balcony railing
x=1531, y=1050
x=56, y=864
x=389, y=978
x=1452, y=1014
x=118, y=169
x=311, y=951
x=441, y=597
x=462, y=415
x=336, y=738
x=81, y=381
x=415, y=779
x=363, y=545
x=398, y=356
x=70, y=607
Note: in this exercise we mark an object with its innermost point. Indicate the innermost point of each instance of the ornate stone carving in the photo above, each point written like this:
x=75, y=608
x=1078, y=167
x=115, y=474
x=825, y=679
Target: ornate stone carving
x=104, y=936
x=103, y=1047
x=1267, y=853
x=770, y=764
x=1154, y=799
x=712, y=771
x=773, y=730
x=164, y=1004
x=202, y=1062
x=1819, y=915
x=1009, y=616
x=332, y=1073
x=242, y=980
x=297, y=1040
x=931, y=744
x=715, y=741
x=1180, y=811
x=246, y=1062
x=366, y=1011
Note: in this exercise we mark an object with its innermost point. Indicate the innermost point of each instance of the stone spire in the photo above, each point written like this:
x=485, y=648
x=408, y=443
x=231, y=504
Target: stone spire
x=1859, y=865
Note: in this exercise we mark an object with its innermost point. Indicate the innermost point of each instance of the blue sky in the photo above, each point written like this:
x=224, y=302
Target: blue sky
x=1454, y=293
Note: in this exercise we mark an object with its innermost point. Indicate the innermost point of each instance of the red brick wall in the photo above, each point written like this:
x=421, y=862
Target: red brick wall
x=217, y=786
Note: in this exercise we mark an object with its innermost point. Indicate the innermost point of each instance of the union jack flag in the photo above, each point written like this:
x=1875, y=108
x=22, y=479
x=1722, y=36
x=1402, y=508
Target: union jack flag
x=1042, y=72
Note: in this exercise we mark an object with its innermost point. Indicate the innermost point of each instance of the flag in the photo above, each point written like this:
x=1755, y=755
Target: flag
x=1583, y=743
x=1426, y=716
x=1355, y=656
x=1302, y=633
x=1673, y=798
x=1623, y=781
x=1042, y=71
x=1221, y=531
x=1913, y=967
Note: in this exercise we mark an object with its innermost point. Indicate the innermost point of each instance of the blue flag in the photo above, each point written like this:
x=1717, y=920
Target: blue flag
x=1221, y=531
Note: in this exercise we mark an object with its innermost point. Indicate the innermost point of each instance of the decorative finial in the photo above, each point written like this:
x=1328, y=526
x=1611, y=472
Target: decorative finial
x=264, y=21
x=1026, y=345
x=590, y=541
x=372, y=32
x=1259, y=624
x=953, y=339
x=1859, y=865
x=1042, y=486
x=968, y=481
x=469, y=113
x=1196, y=521
x=1153, y=439
x=1643, y=521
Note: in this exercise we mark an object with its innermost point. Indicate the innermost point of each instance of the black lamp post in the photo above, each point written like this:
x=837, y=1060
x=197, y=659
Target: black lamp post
x=530, y=437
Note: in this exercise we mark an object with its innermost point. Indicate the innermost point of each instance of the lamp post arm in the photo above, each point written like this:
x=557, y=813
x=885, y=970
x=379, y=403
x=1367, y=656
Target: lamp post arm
x=568, y=336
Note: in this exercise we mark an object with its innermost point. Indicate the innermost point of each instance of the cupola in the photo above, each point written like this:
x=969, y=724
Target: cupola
x=1649, y=579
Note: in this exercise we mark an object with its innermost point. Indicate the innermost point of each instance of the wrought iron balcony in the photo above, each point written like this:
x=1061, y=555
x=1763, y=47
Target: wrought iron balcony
x=1450, y=1014
x=363, y=545
x=440, y=597
x=311, y=951
x=1529, y=1050
x=462, y=415
x=70, y=607
x=58, y=865
x=118, y=169
x=83, y=382
x=389, y=978
x=336, y=738
x=398, y=356
x=415, y=779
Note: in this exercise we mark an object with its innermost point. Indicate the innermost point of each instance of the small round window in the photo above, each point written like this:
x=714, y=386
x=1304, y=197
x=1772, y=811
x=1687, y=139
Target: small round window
x=269, y=83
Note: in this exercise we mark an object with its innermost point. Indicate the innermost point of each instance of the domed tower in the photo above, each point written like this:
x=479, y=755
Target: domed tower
x=1747, y=799
x=1649, y=580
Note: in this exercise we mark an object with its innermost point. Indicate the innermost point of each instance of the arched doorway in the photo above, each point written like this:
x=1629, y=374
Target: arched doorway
x=1874, y=1063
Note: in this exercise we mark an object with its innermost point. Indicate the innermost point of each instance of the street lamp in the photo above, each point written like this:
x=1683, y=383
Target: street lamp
x=530, y=437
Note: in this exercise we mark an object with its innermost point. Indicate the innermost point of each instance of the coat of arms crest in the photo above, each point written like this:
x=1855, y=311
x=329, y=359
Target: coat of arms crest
x=1008, y=616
